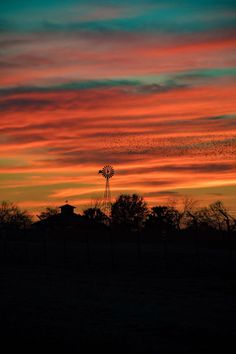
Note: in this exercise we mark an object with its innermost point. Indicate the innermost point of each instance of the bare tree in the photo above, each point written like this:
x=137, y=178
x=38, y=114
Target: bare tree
x=222, y=216
x=187, y=212
x=95, y=203
x=48, y=212
x=12, y=216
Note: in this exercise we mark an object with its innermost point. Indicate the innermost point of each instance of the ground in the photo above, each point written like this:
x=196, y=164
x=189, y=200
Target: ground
x=174, y=302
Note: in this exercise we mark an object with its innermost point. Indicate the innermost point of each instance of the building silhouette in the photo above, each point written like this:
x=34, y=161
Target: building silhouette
x=67, y=210
x=68, y=224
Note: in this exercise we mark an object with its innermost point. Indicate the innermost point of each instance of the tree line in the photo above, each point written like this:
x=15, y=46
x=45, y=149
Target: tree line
x=130, y=212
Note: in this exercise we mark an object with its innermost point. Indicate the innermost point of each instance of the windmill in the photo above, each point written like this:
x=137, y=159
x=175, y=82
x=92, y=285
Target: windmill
x=107, y=172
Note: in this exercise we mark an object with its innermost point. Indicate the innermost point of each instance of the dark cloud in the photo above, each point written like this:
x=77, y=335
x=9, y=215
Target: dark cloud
x=9, y=42
x=69, y=86
x=90, y=93
x=160, y=193
x=127, y=86
x=155, y=88
x=151, y=182
x=25, y=61
x=7, y=64
x=67, y=122
x=222, y=117
x=26, y=104
x=25, y=138
x=201, y=168
x=96, y=156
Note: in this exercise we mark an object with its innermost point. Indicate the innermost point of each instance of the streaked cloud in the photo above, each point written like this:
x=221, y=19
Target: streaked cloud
x=144, y=85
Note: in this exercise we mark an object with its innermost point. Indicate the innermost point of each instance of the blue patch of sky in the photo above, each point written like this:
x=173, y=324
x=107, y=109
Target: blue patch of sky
x=161, y=16
x=17, y=5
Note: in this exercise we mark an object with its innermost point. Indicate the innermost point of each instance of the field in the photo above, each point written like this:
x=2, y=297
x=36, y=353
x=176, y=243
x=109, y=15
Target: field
x=120, y=298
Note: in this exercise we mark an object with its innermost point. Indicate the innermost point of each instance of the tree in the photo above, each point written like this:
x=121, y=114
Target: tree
x=11, y=216
x=222, y=217
x=200, y=220
x=164, y=218
x=49, y=211
x=95, y=215
x=187, y=213
x=129, y=212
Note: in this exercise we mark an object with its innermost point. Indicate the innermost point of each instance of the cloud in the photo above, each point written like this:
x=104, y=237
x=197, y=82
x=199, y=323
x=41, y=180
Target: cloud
x=199, y=168
x=70, y=86
x=223, y=117
x=24, y=104
x=53, y=61
x=196, y=167
x=146, y=86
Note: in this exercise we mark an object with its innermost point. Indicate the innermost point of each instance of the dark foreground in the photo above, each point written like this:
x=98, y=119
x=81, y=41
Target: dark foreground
x=175, y=304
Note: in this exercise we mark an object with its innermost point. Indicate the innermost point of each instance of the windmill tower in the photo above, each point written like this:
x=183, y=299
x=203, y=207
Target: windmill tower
x=107, y=172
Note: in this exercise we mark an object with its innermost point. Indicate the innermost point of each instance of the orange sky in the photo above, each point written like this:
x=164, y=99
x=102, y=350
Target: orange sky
x=158, y=105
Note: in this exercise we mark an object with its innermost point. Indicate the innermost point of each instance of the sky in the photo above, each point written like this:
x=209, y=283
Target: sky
x=146, y=86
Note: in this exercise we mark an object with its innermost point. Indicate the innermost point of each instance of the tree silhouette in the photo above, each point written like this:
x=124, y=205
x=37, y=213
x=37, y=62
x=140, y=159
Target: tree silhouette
x=11, y=216
x=163, y=218
x=201, y=220
x=187, y=211
x=49, y=211
x=222, y=217
x=214, y=217
x=95, y=215
x=129, y=212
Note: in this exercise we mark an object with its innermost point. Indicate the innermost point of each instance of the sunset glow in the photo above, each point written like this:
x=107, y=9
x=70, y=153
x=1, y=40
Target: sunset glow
x=146, y=86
